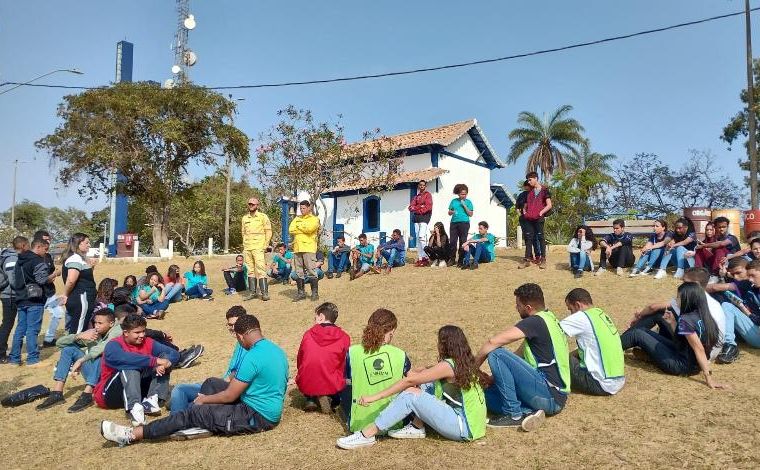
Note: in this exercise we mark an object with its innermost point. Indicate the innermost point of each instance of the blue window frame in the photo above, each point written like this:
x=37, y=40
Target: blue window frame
x=371, y=212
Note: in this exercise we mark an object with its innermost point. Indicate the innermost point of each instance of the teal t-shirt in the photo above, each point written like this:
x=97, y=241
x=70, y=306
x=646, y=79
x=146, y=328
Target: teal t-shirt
x=459, y=214
x=192, y=278
x=367, y=252
x=237, y=357
x=490, y=245
x=147, y=288
x=265, y=369
x=280, y=260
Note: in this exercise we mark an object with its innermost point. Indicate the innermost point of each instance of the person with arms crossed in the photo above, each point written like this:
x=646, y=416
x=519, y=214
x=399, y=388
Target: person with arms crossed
x=257, y=233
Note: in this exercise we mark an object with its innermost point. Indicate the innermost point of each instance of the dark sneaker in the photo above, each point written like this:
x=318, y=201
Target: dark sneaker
x=542, y=263
x=310, y=405
x=190, y=356
x=84, y=401
x=3, y=359
x=329, y=275
x=729, y=354
x=53, y=399
x=578, y=274
x=48, y=344
x=524, y=264
x=338, y=275
x=504, y=422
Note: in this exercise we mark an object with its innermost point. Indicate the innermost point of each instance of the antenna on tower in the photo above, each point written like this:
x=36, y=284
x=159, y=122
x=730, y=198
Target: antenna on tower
x=184, y=57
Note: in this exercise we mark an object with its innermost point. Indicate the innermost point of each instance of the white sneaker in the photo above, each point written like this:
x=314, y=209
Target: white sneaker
x=138, y=414
x=620, y=272
x=634, y=273
x=150, y=406
x=646, y=270
x=678, y=274
x=600, y=271
x=117, y=433
x=408, y=432
x=660, y=274
x=441, y=264
x=355, y=441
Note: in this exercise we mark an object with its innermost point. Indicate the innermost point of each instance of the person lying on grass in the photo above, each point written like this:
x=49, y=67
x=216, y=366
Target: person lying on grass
x=251, y=402
x=448, y=397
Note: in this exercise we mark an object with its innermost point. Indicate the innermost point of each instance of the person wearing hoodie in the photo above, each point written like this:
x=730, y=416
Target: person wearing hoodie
x=80, y=353
x=393, y=251
x=53, y=303
x=8, y=259
x=29, y=276
x=321, y=360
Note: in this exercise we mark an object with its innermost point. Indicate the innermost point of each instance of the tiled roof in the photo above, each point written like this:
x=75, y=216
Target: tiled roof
x=409, y=177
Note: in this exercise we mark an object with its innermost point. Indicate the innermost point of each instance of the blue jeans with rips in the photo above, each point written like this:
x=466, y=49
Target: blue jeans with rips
x=28, y=325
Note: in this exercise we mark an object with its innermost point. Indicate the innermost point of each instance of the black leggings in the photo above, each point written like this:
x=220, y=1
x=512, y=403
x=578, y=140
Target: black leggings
x=79, y=308
x=621, y=257
x=662, y=351
x=458, y=232
x=533, y=231
x=436, y=253
x=235, y=280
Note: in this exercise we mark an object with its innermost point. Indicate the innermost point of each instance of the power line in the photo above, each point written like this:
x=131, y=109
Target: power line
x=440, y=67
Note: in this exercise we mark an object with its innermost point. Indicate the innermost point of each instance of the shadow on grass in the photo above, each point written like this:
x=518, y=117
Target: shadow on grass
x=9, y=386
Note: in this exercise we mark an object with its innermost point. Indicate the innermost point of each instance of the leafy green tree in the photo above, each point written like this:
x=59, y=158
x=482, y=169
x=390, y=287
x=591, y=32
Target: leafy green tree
x=147, y=135
x=29, y=216
x=550, y=141
x=737, y=128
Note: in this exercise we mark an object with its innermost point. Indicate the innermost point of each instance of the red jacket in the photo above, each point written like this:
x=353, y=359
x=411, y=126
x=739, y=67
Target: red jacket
x=321, y=360
x=535, y=204
x=118, y=355
x=421, y=203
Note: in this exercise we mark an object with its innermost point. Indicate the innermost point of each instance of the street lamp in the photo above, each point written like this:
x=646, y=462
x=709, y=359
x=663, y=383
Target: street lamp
x=227, y=195
x=74, y=71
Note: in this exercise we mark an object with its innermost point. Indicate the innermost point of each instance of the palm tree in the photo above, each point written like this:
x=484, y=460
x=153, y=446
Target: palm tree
x=598, y=163
x=550, y=141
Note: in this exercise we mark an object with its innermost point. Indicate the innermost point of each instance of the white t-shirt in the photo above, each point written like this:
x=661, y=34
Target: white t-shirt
x=716, y=312
x=579, y=326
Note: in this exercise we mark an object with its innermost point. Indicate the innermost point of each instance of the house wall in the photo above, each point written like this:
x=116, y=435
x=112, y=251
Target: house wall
x=416, y=162
x=497, y=221
x=393, y=214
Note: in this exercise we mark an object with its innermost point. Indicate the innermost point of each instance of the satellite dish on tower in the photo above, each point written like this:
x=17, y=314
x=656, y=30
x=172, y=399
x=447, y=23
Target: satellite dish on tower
x=189, y=22
x=169, y=83
x=190, y=58
x=176, y=69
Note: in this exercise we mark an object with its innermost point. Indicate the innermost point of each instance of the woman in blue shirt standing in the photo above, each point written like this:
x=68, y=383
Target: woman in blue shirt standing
x=460, y=210
x=196, y=282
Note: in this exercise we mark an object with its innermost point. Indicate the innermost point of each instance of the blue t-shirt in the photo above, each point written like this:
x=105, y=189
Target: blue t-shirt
x=280, y=260
x=459, y=214
x=366, y=251
x=265, y=369
x=490, y=245
x=625, y=238
x=689, y=246
x=192, y=278
x=734, y=246
x=666, y=234
x=237, y=357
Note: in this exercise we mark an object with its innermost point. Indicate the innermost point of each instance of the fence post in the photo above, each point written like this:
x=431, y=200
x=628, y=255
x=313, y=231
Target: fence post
x=519, y=237
x=171, y=249
x=210, y=247
x=136, y=253
x=102, y=251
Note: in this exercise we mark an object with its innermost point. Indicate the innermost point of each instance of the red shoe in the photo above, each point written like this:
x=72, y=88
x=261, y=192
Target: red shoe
x=419, y=263
x=425, y=262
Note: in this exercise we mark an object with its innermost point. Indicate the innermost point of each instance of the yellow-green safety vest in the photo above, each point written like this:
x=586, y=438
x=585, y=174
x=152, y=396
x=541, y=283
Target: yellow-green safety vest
x=608, y=340
x=473, y=403
x=372, y=373
x=561, y=352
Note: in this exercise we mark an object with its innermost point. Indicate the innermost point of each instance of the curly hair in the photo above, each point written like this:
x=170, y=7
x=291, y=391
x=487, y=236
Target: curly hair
x=459, y=187
x=380, y=322
x=452, y=344
x=105, y=290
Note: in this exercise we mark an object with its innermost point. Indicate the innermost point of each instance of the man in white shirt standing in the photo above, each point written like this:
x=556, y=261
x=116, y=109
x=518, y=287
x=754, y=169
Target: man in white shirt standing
x=597, y=367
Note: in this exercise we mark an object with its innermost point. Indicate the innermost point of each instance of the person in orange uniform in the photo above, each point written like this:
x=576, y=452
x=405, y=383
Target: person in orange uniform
x=305, y=230
x=257, y=233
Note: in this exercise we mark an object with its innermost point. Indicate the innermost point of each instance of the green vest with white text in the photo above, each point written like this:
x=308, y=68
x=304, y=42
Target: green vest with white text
x=608, y=340
x=372, y=373
x=561, y=352
x=473, y=403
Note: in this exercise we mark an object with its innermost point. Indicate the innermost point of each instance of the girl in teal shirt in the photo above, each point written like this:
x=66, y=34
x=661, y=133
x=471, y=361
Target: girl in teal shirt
x=196, y=282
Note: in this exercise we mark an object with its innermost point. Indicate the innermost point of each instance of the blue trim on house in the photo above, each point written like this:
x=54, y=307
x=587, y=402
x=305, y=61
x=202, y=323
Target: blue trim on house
x=434, y=158
x=365, y=202
x=500, y=194
x=356, y=192
x=284, y=222
x=412, y=242
x=459, y=157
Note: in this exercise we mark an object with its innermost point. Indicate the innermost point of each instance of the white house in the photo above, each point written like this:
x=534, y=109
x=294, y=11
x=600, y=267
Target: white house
x=443, y=156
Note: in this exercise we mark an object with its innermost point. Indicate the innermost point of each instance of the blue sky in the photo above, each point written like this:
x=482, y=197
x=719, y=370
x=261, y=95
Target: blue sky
x=665, y=93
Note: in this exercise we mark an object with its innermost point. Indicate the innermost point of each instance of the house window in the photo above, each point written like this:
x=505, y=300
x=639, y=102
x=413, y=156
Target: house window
x=371, y=214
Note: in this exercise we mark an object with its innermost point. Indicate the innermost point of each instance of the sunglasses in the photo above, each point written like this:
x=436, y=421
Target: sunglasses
x=252, y=204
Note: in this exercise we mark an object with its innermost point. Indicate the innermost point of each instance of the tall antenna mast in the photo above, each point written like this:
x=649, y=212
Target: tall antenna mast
x=184, y=57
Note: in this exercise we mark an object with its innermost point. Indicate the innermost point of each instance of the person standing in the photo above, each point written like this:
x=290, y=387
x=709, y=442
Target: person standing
x=8, y=260
x=522, y=198
x=79, y=289
x=305, y=230
x=460, y=210
x=421, y=208
x=257, y=233
x=57, y=311
x=537, y=204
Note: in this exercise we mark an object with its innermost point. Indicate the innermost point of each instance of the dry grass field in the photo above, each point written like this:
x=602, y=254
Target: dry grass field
x=655, y=421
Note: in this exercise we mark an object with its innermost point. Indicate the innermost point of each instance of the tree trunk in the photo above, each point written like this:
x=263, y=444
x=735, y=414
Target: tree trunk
x=160, y=228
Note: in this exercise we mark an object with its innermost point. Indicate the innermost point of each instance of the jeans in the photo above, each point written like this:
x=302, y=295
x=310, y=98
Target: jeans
x=533, y=232
x=582, y=381
x=391, y=257
x=235, y=280
x=530, y=247
x=150, y=309
x=421, y=229
x=476, y=252
x=282, y=274
x=620, y=257
x=518, y=388
x=128, y=387
x=337, y=262
x=682, y=262
x=738, y=322
x=9, y=318
x=57, y=312
x=69, y=355
x=663, y=351
x=183, y=396
x=29, y=325
x=173, y=292
x=434, y=412
x=580, y=261
x=458, y=235
x=649, y=258
x=198, y=291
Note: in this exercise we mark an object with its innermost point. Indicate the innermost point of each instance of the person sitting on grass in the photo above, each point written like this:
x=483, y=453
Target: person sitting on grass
x=104, y=296
x=448, y=397
x=480, y=248
x=695, y=335
x=437, y=248
x=337, y=259
x=130, y=282
x=80, y=353
x=321, y=360
x=393, y=252
x=196, y=282
x=151, y=298
x=684, y=240
x=371, y=366
x=525, y=390
x=751, y=253
x=144, y=278
x=654, y=249
x=282, y=264
x=617, y=247
x=711, y=254
x=134, y=372
x=172, y=285
x=580, y=248
x=597, y=367
x=361, y=257
x=183, y=395
x=236, y=277
x=249, y=403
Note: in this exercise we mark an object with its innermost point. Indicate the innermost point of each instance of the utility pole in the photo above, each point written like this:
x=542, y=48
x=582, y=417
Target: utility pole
x=752, y=142
x=13, y=200
x=227, y=207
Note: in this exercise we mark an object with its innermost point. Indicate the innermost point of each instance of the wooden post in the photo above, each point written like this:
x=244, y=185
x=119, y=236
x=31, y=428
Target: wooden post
x=519, y=237
x=171, y=249
x=210, y=247
x=102, y=250
x=136, y=253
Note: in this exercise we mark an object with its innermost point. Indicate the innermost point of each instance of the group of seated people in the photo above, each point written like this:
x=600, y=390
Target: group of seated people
x=680, y=248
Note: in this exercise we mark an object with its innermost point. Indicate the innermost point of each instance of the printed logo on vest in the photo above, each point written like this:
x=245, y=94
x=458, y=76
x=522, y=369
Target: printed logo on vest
x=378, y=368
